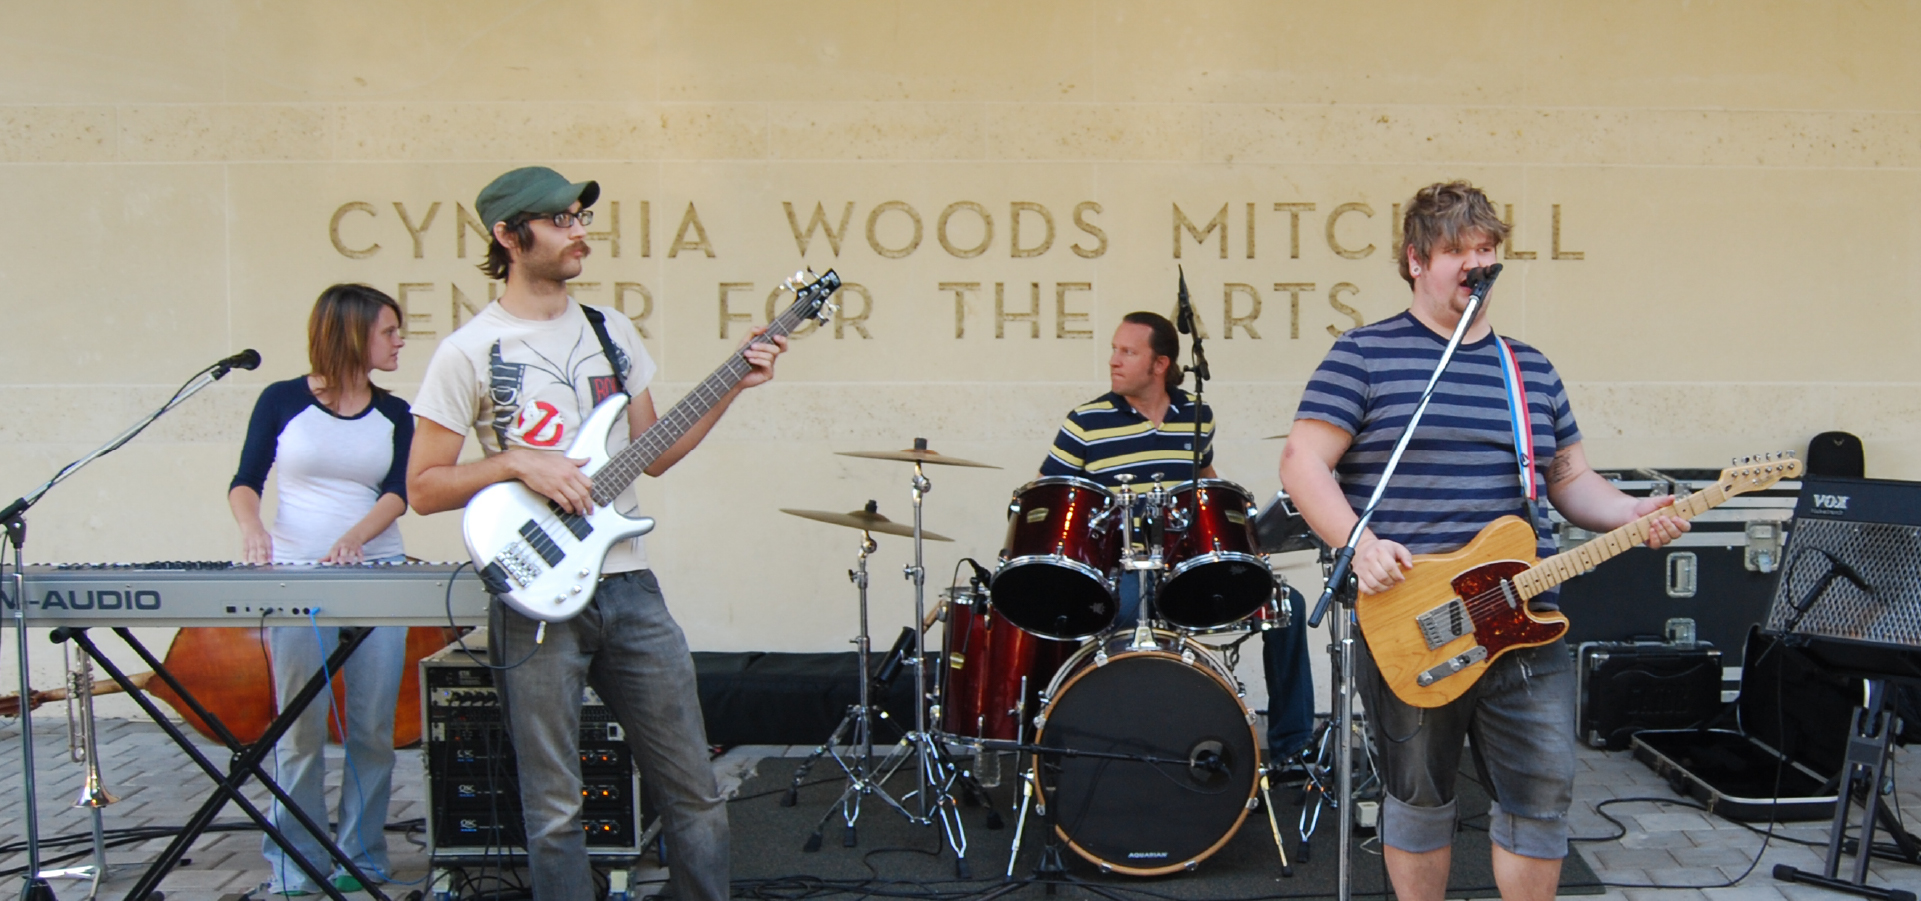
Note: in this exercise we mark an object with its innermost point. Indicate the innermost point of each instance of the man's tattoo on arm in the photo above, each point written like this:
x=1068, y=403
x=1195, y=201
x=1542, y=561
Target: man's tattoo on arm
x=1561, y=470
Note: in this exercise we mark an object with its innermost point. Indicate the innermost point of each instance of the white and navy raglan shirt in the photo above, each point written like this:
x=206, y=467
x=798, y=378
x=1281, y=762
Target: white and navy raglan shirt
x=333, y=468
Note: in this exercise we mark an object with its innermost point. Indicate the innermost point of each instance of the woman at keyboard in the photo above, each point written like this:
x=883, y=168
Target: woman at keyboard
x=340, y=444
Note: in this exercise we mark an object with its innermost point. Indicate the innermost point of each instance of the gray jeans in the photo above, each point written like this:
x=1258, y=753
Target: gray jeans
x=1520, y=716
x=627, y=646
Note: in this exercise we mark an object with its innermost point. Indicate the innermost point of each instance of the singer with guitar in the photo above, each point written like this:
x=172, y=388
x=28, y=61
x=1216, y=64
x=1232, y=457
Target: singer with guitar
x=524, y=374
x=1462, y=471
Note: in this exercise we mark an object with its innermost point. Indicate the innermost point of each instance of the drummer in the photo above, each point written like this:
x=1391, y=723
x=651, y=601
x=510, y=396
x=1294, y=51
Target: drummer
x=1145, y=426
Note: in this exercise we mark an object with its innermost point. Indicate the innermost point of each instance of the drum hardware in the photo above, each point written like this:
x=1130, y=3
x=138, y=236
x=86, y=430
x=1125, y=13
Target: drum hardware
x=936, y=774
x=1141, y=564
x=863, y=777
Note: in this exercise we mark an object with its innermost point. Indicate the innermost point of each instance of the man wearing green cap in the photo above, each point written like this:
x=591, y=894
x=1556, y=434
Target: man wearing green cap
x=523, y=374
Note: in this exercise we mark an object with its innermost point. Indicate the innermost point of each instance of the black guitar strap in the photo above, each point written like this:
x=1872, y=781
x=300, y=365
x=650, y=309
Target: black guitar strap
x=607, y=349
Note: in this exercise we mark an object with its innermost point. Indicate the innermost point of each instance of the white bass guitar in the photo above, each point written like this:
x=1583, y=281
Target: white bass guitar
x=544, y=561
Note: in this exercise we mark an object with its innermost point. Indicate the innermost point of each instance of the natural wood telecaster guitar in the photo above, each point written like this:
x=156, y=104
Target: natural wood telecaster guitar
x=1435, y=634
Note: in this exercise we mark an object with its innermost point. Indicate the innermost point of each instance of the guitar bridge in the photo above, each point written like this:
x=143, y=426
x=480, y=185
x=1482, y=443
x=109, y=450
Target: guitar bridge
x=1445, y=623
x=1451, y=666
x=519, y=563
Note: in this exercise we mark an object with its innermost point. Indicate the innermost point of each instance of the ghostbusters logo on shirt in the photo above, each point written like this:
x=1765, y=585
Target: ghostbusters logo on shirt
x=538, y=400
x=542, y=426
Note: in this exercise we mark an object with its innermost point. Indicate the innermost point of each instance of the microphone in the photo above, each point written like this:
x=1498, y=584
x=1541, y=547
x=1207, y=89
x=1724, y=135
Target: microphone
x=1846, y=570
x=1482, y=280
x=246, y=359
x=981, y=575
x=1184, y=320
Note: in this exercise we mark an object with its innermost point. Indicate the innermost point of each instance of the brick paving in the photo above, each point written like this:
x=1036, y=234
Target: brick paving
x=1669, y=846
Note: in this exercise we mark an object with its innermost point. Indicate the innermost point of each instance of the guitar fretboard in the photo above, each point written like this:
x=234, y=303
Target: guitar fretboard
x=1577, y=560
x=628, y=465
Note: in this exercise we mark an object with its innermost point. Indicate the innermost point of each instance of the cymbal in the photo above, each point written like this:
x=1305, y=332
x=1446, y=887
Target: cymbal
x=865, y=521
x=1275, y=437
x=917, y=455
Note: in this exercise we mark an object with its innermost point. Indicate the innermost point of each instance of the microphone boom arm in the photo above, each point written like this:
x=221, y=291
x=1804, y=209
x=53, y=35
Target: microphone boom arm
x=193, y=386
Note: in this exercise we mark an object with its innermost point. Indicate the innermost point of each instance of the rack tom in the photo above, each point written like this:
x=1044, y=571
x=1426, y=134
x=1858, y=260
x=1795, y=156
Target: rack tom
x=1057, y=574
x=1216, y=575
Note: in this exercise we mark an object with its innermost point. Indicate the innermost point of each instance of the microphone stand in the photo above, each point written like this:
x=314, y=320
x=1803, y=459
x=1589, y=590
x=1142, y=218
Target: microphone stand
x=1340, y=579
x=14, y=519
x=1201, y=376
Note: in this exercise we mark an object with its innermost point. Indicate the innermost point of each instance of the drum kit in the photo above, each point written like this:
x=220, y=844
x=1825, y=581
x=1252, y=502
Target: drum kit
x=1135, y=746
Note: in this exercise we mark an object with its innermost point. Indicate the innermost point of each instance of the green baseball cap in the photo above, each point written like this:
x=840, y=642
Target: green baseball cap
x=532, y=189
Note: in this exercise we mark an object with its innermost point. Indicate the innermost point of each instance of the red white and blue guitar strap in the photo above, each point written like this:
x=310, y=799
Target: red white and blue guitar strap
x=1522, y=426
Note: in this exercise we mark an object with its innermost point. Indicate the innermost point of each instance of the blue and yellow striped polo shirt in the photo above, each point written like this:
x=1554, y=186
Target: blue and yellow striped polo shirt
x=1106, y=437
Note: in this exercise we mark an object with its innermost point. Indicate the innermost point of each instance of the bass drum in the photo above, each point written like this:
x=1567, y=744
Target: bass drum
x=995, y=672
x=1056, y=577
x=1172, y=701
x=1216, y=575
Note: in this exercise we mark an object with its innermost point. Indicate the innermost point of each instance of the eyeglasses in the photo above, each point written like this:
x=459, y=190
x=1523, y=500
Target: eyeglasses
x=565, y=219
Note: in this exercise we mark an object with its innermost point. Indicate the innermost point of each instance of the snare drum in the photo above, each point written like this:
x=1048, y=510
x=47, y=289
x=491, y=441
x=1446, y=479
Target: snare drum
x=995, y=672
x=1216, y=575
x=1172, y=701
x=1057, y=574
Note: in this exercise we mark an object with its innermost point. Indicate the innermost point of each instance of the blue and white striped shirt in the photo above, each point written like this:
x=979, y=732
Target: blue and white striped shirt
x=1460, y=471
x=1106, y=437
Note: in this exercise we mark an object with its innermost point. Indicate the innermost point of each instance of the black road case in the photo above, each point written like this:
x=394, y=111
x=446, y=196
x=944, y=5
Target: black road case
x=1792, y=721
x=1626, y=687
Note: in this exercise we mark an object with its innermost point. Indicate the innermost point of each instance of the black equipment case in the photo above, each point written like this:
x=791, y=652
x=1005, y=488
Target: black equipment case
x=1720, y=575
x=1627, y=687
x=1792, y=720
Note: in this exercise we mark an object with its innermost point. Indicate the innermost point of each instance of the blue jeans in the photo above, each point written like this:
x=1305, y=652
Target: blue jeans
x=626, y=646
x=1521, y=719
x=373, y=684
x=1290, y=683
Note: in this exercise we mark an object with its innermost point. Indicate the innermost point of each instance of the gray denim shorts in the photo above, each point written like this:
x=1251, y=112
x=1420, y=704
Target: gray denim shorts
x=1520, y=718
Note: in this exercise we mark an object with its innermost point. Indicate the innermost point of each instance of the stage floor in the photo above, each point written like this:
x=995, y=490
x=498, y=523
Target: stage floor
x=1666, y=845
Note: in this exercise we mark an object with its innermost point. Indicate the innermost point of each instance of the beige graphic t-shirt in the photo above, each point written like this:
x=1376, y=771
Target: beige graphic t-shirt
x=525, y=383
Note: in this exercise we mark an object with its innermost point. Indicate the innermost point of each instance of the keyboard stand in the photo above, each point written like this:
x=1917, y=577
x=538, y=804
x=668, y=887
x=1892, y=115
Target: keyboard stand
x=246, y=761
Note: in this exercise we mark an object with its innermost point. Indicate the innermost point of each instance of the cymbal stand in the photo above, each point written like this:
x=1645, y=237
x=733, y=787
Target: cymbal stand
x=935, y=774
x=859, y=719
x=936, y=770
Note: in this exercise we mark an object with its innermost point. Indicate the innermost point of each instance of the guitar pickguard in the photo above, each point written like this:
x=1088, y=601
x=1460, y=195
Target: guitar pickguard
x=1501, y=620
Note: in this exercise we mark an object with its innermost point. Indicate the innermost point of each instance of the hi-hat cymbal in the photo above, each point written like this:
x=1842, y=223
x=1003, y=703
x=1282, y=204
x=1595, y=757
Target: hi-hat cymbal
x=917, y=455
x=866, y=521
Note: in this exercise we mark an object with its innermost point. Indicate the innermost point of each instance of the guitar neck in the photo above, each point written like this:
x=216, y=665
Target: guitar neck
x=1576, y=560
x=626, y=466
